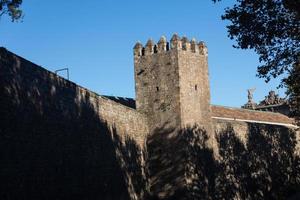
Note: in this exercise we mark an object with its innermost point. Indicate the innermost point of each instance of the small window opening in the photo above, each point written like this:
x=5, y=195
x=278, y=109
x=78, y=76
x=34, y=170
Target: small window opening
x=196, y=87
x=168, y=46
x=157, y=89
x=155, y=49
x=143, y=51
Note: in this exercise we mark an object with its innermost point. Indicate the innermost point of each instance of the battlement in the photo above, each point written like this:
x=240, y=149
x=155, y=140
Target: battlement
x=176, y=43
x=171, y=81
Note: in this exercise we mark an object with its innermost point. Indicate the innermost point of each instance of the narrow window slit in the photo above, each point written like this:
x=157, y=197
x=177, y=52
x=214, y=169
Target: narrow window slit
x=168, y=46
x=143, y=51
x=155, y=49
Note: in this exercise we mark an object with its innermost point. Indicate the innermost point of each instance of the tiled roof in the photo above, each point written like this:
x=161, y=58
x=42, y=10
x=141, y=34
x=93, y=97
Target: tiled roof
x=228, y=113
x=251, y=115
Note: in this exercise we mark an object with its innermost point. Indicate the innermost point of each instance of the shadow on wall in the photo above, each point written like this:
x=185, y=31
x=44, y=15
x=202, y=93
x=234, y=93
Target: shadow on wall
x=264, y=168
x=53, y=145
x=178, y=160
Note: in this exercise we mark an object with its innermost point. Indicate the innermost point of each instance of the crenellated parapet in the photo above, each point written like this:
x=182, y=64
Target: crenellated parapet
x=172, y=83
x=176, y=43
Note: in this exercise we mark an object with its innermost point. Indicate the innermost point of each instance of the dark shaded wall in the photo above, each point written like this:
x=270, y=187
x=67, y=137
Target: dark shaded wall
x=265, y=167
x=255, y=161
x=61, y=141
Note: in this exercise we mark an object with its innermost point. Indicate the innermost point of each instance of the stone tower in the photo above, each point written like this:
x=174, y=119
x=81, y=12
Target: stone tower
x=172, y=83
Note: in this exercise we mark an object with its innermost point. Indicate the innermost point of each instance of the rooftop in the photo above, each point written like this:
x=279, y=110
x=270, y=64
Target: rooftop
x=229, y=113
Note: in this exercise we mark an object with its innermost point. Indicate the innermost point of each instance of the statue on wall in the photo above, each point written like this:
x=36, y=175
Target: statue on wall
x=250, y=104
x=250, y=95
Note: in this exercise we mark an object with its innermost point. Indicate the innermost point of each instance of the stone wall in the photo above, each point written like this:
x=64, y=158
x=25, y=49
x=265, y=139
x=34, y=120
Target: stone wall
x=172, y=84
x=194, y=86
x=157, y=86
x=242, y=130
x=127, y=121
x=61, y=141
x=255, y=161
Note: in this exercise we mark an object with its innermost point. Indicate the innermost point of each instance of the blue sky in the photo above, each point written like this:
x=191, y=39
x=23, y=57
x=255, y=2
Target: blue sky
x=94, y=39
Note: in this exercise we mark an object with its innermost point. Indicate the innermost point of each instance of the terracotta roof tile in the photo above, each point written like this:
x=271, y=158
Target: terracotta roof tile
x=228, y=112
x=244, y=114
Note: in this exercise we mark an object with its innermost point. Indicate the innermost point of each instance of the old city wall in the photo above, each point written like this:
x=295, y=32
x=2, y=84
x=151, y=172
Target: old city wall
x=172, y=84
x=157, y=87
x=59, y=140
x=243, y=131
x=194, y=87
x=127, y=121
x=254, y=161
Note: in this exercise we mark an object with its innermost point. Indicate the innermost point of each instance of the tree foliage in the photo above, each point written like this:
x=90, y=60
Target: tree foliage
x=293, y=89
x=272, y=29
x=11, y=8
